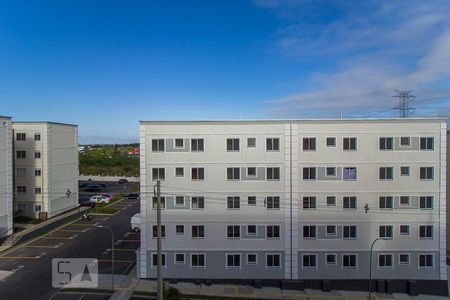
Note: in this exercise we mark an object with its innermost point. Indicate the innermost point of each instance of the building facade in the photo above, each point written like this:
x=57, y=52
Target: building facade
x=6, y=177
x=295, y=199
x=46, y=168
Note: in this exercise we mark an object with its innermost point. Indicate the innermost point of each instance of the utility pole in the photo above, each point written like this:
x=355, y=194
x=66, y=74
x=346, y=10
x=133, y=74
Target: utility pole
x=159, y=288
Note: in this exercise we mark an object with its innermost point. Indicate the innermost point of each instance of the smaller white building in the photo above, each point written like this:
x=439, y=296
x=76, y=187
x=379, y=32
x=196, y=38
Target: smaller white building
x=6, y=176
x=45, y=168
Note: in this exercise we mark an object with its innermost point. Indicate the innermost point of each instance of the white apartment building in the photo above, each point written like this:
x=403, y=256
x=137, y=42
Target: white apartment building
x=295, y=199
x=6, y=177
x=46, y=168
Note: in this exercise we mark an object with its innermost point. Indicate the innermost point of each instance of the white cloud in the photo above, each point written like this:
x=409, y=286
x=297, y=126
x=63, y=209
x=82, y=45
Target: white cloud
x=376, y=49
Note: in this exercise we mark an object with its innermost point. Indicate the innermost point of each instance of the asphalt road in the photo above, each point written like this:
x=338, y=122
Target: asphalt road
x=31, y=261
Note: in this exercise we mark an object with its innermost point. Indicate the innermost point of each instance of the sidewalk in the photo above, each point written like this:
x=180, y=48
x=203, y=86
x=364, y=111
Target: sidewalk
x=241, y=291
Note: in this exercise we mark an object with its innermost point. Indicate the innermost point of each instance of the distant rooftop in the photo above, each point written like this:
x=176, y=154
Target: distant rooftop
x=43, y=122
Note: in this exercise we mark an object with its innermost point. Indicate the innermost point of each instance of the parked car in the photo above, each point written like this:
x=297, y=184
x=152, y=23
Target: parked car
x=135, y=195
x=109, y=196
x=93, y=188
x=122, y=180
x=84, y=185
x=136, y=222
x=99, y=199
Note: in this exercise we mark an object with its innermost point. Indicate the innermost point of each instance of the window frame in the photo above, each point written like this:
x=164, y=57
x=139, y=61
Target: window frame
x=176, y=262
x=232, y=144
x=309, y=173
x=196, y=144
x=254, y=142
x=232, y=171
x=385, y=231
x=199, y=254
x=349, y=146
x=275, y=200
x=156, y=145
x=405, y=168
x=350, y=200
x=176, y=174
x=275, y=173
x=199, y=200
x=388, y=202
x=333, y=139
x=199, y=171
x=426, y=174
x=386, y=143
x=432, y=261
x=383, y=254
x=309, y=144
x=309, y=255
x=234, y=255
x=426, y=143
x=355, y=267
x=235, y=234
x=404, y=263
x=349, y=231
x=349, y=172
x=275, y=146
x=274, y=254
x=404, y=226
x=275, y=232
x=383, y=173
x=331, y=255
x=158, y=173
x=198, y=235
x=248, y=261
x=233, y=200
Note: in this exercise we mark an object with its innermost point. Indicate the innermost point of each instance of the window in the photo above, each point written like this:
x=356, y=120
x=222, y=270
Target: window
x=37, y=172
x=426, y=260
x=386, y=143
x=197, y=145
x=198, y=202
x=179, y=258
x=273, y=202
x=330, y=259
x=330, y=230
x=273, y=144
x=385, y=231
x=179, y=201
x=349, y=144
x=349, y=232
x=251, y=230
x=251, y=171
x=426, y=232
x=37, y=190
x=233, y=202
x=233, y=173
x=349, y=202
x=21, y=136
x=158, y=145
x=426, y=143
x=309, y=144
x=405, y=141
x=155, y=259
x=331, y=171
x=349, y=261
x=21, y=154
x=21, y=172
x=21, y=189
x=37, y=208
x=179, y=143
x=309, y=202
x=232, y=144
x=251, y=200
x=426, y=202
x=198, y=231
x=198, y=173
x=404, y=229
x=163, y=202
x=403, y=259
x=158, y=173
x=179, y=229
x=252, y=259
x=309, y=231
x=21, y=207
x=426, y=173
x=349, y=173
x=385, y=260
x=37, y=136
x=405, y=200
x=273, y=173
x=404, y=171
x=331, y=200
x=251, y=142
x=309, y=173
x=386, y=173
x=273, y=231
x=309, y=261
x=179, y=172
x=331, y=142
x=386, y=202
x=233, y=260
x=198, y=260
x=37, y=154
x=273, y=260
x=163, y=231
x=233, y=231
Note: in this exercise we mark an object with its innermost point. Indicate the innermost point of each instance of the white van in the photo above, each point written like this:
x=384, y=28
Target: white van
x=136, y=222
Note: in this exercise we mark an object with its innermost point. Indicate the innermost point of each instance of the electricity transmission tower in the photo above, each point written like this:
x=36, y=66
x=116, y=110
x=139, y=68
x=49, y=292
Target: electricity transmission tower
x=405, y=98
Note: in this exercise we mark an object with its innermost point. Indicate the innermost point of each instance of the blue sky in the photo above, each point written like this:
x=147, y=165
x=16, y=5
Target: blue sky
x=104, y=65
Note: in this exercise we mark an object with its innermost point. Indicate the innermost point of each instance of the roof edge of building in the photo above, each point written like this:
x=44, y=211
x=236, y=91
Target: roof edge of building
x=43, y=122
x=262, y=121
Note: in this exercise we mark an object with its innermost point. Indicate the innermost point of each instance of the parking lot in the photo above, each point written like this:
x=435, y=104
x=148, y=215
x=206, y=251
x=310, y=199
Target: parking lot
x=30, y=263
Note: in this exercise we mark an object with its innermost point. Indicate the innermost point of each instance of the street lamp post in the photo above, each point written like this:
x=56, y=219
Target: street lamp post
x=112, y=253
x=370, y=264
